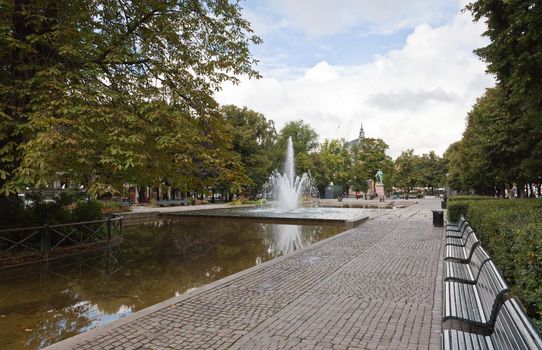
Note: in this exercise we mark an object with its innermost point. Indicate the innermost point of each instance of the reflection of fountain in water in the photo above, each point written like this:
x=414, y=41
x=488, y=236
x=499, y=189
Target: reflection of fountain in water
x=288, y=239
x=282, y=239
x=286, y=188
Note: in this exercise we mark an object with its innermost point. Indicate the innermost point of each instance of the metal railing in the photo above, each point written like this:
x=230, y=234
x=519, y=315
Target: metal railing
x=43, y=240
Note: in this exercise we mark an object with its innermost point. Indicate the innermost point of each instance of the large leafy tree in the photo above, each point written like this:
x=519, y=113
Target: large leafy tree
x=253, y=138
x=368, y=156
x=305, y=141
x=491, y=154
x=407, y=166
x=453, y=158
x=335, y=161
x=432, y=171
x=110, y=91
x=514, y=56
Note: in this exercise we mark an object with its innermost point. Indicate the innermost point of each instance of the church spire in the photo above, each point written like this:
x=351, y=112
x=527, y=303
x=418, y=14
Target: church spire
x=361, y=133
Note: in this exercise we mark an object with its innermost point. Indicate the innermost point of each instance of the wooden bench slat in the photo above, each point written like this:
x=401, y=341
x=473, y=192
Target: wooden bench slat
x=512, y=331
x=459, y=240
x=462, y=254
x=467, y=272
x=475, y=304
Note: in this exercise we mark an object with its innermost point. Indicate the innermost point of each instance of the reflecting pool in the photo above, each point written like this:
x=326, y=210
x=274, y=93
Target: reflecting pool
x=42, y=305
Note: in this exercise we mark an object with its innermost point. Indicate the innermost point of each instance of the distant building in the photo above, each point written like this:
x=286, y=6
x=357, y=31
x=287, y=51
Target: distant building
x=361, y=136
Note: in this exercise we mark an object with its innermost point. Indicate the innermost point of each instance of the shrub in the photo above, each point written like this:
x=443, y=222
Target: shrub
x=456, y=209
x=459, y=197
x=67, y=198
x=246, y=201
x=87, y=211
x=13, y=212
x=110, y=207
x=42, y=211
x=527, y=252
x=511, y=231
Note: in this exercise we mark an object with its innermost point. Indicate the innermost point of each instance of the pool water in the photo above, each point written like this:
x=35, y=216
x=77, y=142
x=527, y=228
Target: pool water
x=41, y=305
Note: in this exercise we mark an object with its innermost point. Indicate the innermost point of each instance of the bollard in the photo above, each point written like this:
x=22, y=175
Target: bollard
x=438, y=218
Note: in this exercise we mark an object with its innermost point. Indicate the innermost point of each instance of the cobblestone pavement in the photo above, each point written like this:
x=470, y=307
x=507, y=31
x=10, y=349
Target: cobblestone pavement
x=377, y=286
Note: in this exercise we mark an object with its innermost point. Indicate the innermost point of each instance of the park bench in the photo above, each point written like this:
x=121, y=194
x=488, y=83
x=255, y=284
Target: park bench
x=171, y=202
x=460, y=240
x=163, y=203
x=464, y=253
x=512, y=330
x=467, y=272
x=475, y=304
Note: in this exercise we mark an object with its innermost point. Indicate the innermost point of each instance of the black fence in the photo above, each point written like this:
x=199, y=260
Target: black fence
x=22, y=245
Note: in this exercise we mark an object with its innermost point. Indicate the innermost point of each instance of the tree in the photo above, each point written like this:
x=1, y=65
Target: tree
x=304, y=139
x=117, y=90
x=489, y=156
x=335, y=161
x=453, y=158
x=253, y=139
x=432, y=171
x=368, y=156
x=513, y=55
x=407, y=170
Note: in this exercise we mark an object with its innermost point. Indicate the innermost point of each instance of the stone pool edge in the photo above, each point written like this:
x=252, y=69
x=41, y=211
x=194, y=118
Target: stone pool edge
x=96, y=332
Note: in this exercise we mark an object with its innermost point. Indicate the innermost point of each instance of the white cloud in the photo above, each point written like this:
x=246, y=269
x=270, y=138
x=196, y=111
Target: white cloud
x=416, y=97
x=325, y=17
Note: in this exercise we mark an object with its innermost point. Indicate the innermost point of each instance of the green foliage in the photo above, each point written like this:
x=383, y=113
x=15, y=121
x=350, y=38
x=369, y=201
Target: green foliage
x=335, y=160
x=369, y=156
x=253, y=138
x=511, y=231
x=247, y=201
x=527, y=252
x=513, y=53
x=87, y=211
x=40, y=211
x=428, y=170
x=493, y=149
x=456, y=209
x=456, y=198
x=305, y=141
x=432, y=171
x=501, y=145
x=407, y=167
x=13, y=212
x=111, y=92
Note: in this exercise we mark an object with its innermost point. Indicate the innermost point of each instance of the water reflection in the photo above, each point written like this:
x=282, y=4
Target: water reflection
x=40, y=306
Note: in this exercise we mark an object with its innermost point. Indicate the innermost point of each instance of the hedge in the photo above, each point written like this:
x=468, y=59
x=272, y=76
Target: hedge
x=456, y=209
x=511, y=231
x=460, y=197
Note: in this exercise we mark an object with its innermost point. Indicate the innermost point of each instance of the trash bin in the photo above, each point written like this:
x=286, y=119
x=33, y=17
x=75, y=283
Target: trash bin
x=438, y=218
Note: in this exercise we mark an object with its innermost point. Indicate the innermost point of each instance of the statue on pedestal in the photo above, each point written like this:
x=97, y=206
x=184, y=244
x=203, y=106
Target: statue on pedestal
x=379, y=176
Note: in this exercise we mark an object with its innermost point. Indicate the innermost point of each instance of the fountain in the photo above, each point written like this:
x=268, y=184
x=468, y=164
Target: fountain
x=287, y=188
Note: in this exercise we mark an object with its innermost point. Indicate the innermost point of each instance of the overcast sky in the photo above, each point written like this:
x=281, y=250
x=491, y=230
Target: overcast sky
x=405, y=69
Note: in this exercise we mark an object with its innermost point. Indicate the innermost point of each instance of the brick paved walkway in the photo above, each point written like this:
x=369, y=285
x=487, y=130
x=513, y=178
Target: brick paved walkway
x=377, y=286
